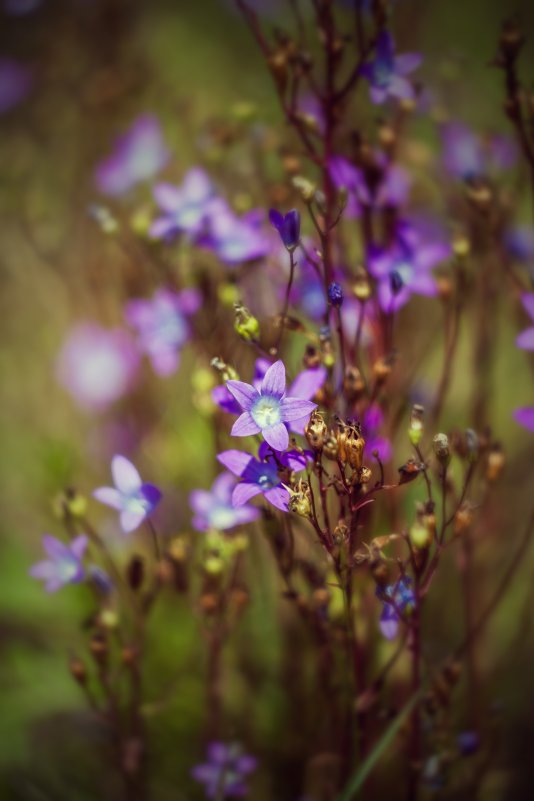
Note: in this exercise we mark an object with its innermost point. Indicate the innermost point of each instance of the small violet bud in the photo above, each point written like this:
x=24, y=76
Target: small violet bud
x=335, y=294
x=288, y=226
x=396, y=282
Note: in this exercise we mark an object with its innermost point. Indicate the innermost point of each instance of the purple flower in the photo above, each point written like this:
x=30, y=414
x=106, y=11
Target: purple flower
x=185, y=207
x=386, y=73
x=406, y=268
x=335, y=294
x=137, y=156
x=288, y=226
x=233, y=239
x=525, y=339
x=525, y=417
x=403, y=597
x=213, y=508
x=268, y=409
x=15, y=83
x=371, y=424
x=97, y=365
x=163, y=326
x=466, y=155
x=391, y=189
x=64, y=564
x=130, y=496
x=224, y=773
x=260, y=476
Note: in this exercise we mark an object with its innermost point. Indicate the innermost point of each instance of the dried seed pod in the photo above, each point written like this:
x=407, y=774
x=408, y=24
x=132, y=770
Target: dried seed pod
x=350, y=444
x=316, y=431
x=353, y=384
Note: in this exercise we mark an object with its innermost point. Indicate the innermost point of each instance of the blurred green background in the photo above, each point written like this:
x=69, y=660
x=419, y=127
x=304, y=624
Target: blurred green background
x=97, y=65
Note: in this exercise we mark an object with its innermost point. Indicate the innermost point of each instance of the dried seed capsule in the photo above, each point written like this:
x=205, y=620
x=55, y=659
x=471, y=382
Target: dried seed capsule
x=316, y=431
x=350, y=444
x=442, y=449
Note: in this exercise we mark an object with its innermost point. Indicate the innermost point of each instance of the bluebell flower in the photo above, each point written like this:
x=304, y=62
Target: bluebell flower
x=335, y=294
x=386, y=72
x=213, y=509
x=131, y=497
x=64, y=564
x=225, y=771
x=288, y=226
x=184, y=208
x=268, y=409
x=403, y=597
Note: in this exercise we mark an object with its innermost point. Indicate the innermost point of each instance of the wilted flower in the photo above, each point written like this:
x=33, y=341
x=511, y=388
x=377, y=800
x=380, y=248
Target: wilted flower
x=386, y=73
x=268, y=409
x=403, y=597
x=163, y=326
x=288, y=226
x=64, y=564
x=15, y=83
x=184, y=207
x=525, y=339
x=134, y=499
x=137, y=156
x=224, y=773
x=214, y=509
x=97, y=365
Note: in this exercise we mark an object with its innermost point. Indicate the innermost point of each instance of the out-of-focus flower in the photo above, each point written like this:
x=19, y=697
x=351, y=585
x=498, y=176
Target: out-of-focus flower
x=406, y=268
x=64, y=564
x=15, y=83
x=519, y=242
x=288, y=226
x=403, y=597
x=234, y=239
x=163, y=326
x=224, y=773
x=97, y=365
x=371, y=424
x=525, y=417
x=468, y=742
x=268, y=409
x=386, y=72
x=467, y=155
x=137, y=156
x=214, y=509
x=131, y=497
x=391, y=190
x=185, y=207
x=525, y=339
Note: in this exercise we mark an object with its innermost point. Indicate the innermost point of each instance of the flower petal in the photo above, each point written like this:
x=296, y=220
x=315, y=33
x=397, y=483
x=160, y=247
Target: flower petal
x=295, y=408
x=152, y=494
x=125, y=475
x=276, y=219
x=308, y=383
x=245, y=426
x=235, y=461
x=407, y=62
x=525, y=417
x=274, y=380
x=277, y=436
x=278, y=497
x=131, y=520
x=78, y=546
x=110, y=496
x=401, y=88
x=528, y=303
x=245, y=394
x=525, y=340
x=243, y=492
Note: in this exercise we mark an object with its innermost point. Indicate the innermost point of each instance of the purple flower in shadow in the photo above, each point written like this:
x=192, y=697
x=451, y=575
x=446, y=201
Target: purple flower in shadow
x=64, y=564
x=163, y=326
x=213, y=509
x=268, y=409
x=224, y=773
x=137, y=156
x=403, y=597
x=525, y=340
x=387, y=72
x=525, y=417
x=98, y=366
x=131, y=497
x=391, y=190
x=233, y=239
x=288, y=226
x=15, y=83
x=184, y=208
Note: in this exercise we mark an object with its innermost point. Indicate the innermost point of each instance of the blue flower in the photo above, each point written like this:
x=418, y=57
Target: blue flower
x=134, y=499
x=213, y=509
x=64, y=564
x=288, y=226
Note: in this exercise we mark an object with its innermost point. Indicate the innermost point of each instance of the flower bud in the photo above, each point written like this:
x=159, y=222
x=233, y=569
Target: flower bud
x=335, y=294
x=350, y=444
x=442, y=449
x=420, y=536
x=316, y=431
x=361, y=287
x=364, y=475
x=381, y=370
x=70, y=503
x=496, y=462
x=245, y=325
x=462, y=520
x=415, y=431
x=353, y=384
x=304, y=187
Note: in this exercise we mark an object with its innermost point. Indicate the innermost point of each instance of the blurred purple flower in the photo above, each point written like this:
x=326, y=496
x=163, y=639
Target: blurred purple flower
x=392, y=189
x=268, y=409
x=525, y=339
x=64, y=564
x=137, y=156
x=466, y=155
x=406, y=268
x=234, y=239
x=371, y=424
x=402, y=596
x=525, y=417
x=386, y=72
x=97, y=365
x=163, y=326
x=519, y=242
x=307, y=292
x=224, y=773
x=15, y=83
x=288, y=226
x=214, y=509
x=184, y=207
x=131, y=497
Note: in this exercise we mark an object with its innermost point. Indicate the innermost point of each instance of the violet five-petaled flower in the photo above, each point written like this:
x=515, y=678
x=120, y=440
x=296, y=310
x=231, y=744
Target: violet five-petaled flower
x=184, y=208
x=267, y=410
x=213, y=509
x=386, y=72
x=288, y=226
x=131, y=497
x=64, y=563
x=223, y=774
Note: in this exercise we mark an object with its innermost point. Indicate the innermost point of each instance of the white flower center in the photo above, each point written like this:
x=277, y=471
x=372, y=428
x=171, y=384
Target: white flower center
x=266, y=411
